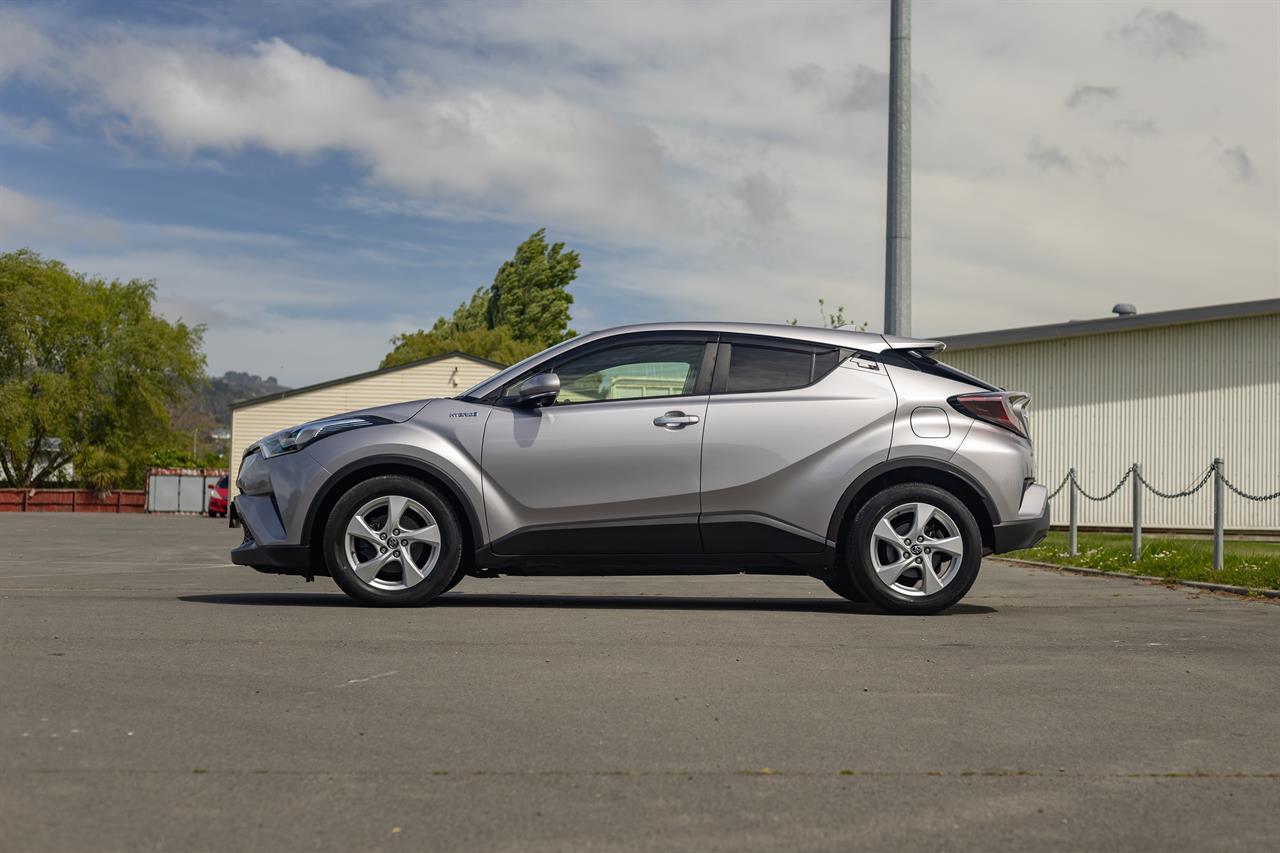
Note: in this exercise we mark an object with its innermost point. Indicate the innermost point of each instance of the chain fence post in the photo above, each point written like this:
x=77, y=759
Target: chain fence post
x=1137, y=511
x=1071, y=513
x=1217, y=512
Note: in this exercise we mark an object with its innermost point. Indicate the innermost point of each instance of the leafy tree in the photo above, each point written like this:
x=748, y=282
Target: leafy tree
x=87, y=371
x=525, y=310
x=494, y=344
x=529, y=292
x=832, y=321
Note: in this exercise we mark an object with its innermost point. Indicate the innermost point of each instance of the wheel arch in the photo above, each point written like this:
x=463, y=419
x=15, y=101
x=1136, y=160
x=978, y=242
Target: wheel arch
x=915, y=470
x=375, y=466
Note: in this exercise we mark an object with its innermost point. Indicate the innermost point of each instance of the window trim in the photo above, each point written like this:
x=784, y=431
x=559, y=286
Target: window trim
x=701, y=384
x=724, y=360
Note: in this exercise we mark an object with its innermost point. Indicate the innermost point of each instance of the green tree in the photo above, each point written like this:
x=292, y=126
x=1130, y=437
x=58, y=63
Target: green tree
x=525, y=310
x=87, y=371
x=494, y=344
x=529, y=294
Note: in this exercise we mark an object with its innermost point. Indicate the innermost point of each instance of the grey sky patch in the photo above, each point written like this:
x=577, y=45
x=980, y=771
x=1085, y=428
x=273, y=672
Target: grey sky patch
x=1137, y=126
x=1088, y=95
x=862, y=90
x=1238, y=163
x=1101, y=165
x=811, y=76
x=865, y=90
x=1165, y=33
x=1049, y=157
x=764, y=200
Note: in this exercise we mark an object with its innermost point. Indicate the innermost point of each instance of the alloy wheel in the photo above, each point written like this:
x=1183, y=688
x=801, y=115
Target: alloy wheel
x=916, y=549
x=392, y=543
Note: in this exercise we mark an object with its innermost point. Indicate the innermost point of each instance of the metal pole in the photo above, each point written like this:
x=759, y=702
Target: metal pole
x=1217, y=512
x=1137, y=512
x=897, y=261
x=1072, y=548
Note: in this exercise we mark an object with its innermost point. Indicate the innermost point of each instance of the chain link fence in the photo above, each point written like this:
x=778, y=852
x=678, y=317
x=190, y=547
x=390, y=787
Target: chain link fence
x=1214, y=473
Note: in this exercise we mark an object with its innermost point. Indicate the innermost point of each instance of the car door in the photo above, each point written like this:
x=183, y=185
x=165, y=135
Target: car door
x=789, y=426
x=612, y=467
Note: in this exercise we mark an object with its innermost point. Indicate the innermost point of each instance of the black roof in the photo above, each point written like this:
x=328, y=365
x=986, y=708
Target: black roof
x=316, y=387
x=1107, y=325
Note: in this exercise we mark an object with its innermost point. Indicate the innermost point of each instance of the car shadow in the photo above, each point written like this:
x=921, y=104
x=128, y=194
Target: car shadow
x=575, y=602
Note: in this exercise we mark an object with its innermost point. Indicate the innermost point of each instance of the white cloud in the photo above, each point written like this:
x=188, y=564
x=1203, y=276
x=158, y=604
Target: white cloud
x=519, y=155
x=37, y=132
x=22, y=44
x=729, y=160
x=1165, y=33
x=20, y=215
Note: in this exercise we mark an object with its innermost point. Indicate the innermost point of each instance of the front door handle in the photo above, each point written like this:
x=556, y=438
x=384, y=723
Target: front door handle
x=675, y=420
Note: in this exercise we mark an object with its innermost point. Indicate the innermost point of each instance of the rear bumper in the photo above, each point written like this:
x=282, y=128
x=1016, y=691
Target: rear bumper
x=1028, y=528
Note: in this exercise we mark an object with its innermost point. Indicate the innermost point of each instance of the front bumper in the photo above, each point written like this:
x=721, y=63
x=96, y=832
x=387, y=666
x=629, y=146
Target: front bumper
x=274, y=559
x=257, y=515
x=1028, y=528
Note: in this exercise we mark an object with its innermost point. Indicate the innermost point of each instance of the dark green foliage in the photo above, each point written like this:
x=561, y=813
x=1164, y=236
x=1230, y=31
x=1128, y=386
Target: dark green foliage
x=525, y=310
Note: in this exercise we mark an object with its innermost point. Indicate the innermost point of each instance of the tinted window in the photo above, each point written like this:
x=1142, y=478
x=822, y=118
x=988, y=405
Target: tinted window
x=825, y=361
x=927, y=364
x=754, y=368
x=630, y=371
x=222, y=483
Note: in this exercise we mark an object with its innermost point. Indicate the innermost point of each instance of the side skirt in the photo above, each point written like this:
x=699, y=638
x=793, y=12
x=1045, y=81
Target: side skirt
x=489, y=564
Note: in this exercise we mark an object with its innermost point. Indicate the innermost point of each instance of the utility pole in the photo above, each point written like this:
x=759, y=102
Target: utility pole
x=897, y=259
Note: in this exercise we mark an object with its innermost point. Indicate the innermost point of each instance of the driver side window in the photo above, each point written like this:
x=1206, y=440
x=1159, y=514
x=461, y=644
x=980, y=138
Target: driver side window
x=630, y=371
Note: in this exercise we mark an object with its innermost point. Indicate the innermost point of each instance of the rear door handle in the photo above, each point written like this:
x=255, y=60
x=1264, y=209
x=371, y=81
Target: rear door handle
x=675, y=420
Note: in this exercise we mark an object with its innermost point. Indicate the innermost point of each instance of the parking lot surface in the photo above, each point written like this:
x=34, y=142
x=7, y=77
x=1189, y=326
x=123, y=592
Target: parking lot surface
x=156, y=697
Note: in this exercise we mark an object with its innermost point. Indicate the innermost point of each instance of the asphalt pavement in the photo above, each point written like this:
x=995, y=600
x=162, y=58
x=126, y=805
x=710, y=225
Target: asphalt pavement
x=154, y=697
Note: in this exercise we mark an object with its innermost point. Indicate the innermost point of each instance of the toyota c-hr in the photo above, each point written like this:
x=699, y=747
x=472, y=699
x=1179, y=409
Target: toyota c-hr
x=684, y=448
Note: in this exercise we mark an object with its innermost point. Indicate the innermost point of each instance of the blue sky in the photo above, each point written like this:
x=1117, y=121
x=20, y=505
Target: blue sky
x=309, y=179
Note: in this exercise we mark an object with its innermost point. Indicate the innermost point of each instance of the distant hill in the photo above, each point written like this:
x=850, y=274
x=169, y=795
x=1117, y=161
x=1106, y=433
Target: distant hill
x=231, y=386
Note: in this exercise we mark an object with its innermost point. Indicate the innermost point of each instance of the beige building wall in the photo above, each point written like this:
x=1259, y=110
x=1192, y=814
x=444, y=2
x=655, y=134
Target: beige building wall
x=445, y=376
x=1169, y=398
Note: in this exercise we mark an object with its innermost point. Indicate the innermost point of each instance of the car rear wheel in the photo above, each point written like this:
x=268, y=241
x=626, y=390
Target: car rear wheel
x=393, y=541
x=914, y=549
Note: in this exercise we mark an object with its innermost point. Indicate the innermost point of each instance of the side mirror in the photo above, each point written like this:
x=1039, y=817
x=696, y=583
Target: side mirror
x=538, y=390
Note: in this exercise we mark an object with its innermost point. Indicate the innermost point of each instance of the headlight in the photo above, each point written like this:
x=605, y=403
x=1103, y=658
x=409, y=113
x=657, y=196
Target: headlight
x=296, y=438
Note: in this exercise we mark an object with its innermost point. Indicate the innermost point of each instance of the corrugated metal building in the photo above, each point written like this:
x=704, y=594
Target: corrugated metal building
x=441, y=376
x=1169, y=390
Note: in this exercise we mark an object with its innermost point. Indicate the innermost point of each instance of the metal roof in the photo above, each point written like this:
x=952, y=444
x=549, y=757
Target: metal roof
x=280, y=395
x=1108, y=325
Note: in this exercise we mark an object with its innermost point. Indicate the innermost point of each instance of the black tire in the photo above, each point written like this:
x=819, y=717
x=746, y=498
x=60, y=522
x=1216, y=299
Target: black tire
x=839, y=582
x=959, y=578
x=457, y=579
x=441, y=574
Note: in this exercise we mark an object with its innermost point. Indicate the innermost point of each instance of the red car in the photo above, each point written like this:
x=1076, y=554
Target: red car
x=218, y=498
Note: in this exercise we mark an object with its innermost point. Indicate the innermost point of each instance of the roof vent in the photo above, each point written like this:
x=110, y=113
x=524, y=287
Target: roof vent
x=1124, y=309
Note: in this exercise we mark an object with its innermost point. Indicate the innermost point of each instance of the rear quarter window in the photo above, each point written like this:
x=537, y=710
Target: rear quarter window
x=755, y=368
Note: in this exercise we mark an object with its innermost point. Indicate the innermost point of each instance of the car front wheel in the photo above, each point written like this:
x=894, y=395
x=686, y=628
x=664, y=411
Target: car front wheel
x=393, y=541
x=914, y=549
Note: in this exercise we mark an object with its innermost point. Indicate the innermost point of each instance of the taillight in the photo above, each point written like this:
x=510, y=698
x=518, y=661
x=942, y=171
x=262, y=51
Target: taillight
x=992, y=408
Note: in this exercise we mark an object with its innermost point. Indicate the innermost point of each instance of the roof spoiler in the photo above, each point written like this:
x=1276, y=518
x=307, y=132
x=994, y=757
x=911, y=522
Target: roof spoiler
x=915, y=344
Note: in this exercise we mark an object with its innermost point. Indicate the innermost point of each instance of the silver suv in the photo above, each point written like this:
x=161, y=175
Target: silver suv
x=683, y=448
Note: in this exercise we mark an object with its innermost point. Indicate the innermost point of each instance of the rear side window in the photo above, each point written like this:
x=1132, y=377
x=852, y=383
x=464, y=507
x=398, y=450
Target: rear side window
x=753, y=368
x=930, y=365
